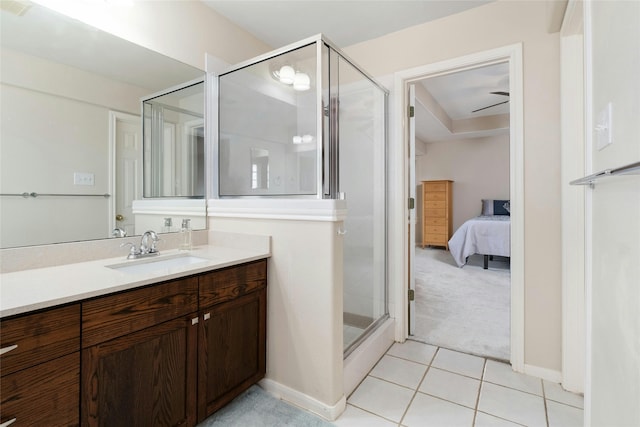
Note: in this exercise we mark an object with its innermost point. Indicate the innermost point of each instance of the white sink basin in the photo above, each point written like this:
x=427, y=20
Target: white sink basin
x=155, y=265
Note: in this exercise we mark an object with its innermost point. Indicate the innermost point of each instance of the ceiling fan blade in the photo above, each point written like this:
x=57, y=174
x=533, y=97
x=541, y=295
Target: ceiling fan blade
x=500, y=93
x=489, y=106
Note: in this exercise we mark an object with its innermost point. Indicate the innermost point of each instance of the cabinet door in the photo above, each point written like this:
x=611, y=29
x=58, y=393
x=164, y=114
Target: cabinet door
x=146, y=378
x=232, y=350
x=43, y=395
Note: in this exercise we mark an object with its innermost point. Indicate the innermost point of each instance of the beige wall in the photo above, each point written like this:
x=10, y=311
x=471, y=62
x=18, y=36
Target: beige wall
x=490, y=26
x=304, y=315
x=479, y=169
x=614, y=373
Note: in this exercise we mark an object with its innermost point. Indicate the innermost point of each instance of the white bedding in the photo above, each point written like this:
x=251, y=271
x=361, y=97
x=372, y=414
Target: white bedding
x=485, y=235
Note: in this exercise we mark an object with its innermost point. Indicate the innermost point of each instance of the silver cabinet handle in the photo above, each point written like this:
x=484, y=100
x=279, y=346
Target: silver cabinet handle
x=3, y=351
x=207, y=316
x=8, y=423
x=194, y=321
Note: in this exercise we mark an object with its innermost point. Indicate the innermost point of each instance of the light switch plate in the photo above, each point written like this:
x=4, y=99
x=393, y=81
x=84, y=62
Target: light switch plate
x=83, y=178
x=604, y=127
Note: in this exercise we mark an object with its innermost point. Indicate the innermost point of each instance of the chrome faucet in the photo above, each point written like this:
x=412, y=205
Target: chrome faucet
x=147, y=246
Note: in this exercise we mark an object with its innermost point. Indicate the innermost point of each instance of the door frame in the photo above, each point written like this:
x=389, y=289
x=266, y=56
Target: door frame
x=399, y=155
x=114, y=117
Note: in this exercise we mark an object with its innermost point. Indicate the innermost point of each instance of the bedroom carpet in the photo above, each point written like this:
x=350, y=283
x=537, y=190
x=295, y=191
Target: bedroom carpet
x=465, y=309
x=257, y=408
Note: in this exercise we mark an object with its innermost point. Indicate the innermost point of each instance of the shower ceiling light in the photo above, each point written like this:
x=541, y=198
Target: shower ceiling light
x=286, y=74
x=289, y=76
x=301, y=81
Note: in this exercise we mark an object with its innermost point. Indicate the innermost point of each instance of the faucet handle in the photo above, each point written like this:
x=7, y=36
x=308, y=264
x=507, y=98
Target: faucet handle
x=133, y=252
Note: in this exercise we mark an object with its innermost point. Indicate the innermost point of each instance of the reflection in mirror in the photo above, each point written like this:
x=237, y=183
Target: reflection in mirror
x=277, y=97
x=66, y=90
x=174, y=142
x=259, y=169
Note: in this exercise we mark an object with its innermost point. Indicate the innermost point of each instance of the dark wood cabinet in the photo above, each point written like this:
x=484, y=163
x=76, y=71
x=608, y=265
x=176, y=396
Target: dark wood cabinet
x=40, y=381
x=146, y=378
x=173, y=353
x=139, y=356
x=168, y=354
x=232, y=340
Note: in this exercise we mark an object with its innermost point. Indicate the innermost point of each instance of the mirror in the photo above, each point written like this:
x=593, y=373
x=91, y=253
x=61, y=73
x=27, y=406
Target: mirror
x=71, y=133
x=173, y=132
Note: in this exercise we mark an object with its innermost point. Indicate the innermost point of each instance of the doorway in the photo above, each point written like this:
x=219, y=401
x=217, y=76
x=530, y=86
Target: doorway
x=125, y=141
x=461, y=145
x=512, y=55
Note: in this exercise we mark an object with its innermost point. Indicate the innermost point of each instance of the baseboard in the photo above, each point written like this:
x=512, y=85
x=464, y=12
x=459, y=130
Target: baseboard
x=303, y=401
x=544, y=373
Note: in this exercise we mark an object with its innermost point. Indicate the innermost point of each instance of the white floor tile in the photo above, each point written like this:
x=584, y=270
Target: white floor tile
x=399, y=371
x=414, y=351
x=512, y=405
x=356, y=417
x=428, y=411
x=460, y=363
x=453, y=387
x=501, y=373
x=382, y=398
x=554, y=391
x=563, y=415
x=486, y=420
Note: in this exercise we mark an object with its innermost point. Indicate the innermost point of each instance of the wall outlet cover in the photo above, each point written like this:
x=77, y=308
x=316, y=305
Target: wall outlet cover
x=83, y=178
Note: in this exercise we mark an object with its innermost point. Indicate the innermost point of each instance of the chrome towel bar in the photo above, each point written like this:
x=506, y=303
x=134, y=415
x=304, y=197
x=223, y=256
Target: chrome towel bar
x=630, y=169
x=34, y=195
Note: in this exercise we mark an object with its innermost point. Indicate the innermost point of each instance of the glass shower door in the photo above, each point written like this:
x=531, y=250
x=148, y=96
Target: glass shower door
x=361, y=151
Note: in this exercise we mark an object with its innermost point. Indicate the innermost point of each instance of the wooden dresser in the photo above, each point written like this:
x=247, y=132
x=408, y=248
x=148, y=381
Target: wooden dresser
x=437, y=215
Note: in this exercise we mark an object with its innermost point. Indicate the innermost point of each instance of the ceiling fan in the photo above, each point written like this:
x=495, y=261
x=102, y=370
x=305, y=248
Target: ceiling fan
x=493, y=105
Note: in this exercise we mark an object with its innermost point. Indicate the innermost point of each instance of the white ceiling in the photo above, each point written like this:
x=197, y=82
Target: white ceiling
x=345, y=22
x=445, y=104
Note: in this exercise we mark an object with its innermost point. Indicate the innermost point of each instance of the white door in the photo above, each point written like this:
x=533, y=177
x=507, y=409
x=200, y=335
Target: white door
x=128, y=169
x=412, y=200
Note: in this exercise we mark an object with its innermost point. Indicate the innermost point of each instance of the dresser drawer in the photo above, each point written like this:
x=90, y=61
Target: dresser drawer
x=39, y=337
x=436, y=229
x=435, y=239
x=435, y=186
x=432, y=204
x=435, y=196
x=224, y=285
x=435, y=213
x=43, y=395
x=434, y=221
x=113, y=316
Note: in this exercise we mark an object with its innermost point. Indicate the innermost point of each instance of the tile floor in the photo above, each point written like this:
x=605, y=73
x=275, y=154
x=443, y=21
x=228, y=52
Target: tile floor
x=416, y=384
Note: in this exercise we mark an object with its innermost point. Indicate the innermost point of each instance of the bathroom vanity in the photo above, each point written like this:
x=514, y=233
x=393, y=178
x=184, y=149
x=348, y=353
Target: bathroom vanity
x=164, y=352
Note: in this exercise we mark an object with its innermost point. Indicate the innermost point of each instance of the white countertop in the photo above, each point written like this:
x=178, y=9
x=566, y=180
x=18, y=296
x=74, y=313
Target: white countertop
x=34, y=289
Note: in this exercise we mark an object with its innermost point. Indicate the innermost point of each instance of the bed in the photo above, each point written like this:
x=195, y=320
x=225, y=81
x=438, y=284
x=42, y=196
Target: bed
x=487, y=235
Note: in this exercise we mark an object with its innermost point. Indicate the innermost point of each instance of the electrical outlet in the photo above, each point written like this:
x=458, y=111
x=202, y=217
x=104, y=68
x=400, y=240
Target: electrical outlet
x=83, y=178
x=604, y=127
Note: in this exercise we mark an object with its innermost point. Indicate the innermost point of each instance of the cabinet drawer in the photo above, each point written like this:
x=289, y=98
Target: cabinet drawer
x=433, y=204
x=435, y=239
x=435, y=213
x=435, y=186
x=113, y=316
x=230, y=283
x=436, y=229
x=43, y=395
x=435, y=196
x=39, y=337
x=434, y=221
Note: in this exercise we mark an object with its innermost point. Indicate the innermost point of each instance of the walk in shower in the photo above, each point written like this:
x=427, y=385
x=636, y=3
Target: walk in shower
x=305, y=122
